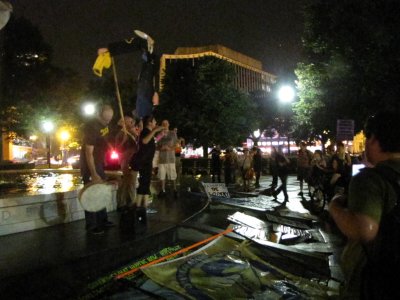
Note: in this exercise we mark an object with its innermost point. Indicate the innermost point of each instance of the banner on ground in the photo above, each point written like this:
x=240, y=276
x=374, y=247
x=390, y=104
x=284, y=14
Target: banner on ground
x=226, y=269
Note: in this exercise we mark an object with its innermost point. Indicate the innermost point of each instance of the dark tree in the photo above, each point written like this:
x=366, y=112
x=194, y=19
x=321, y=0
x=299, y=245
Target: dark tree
x=32, y=88
x=201, y=100
x=104, y=90
x=353, y=58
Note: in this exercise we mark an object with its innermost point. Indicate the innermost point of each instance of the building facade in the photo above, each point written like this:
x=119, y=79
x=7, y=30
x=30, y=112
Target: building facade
x=250, y=76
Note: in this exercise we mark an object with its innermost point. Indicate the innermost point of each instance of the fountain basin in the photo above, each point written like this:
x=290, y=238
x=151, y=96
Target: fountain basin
x=29, y=212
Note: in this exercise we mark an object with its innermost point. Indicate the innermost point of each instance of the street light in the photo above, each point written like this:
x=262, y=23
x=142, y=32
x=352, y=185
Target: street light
x=48, y=127
x=64, y=136
x=89, y=109
x=286, y=94
x=256, y=135
x=33, y=139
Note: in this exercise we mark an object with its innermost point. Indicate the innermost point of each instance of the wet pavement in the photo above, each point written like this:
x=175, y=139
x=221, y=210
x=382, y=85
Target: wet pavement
x=56, y=262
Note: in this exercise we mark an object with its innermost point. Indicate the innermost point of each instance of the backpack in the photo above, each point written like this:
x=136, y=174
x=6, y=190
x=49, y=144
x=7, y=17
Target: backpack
x=380, y=275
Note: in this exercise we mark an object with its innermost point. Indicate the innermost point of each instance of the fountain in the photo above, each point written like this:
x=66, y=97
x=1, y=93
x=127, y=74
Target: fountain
x=33, y=199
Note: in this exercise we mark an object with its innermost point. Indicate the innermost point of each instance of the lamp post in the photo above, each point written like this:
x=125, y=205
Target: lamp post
x=64, y=136
x=48, y=127
x=256, y=135
x=286, y=94
x=33, y=139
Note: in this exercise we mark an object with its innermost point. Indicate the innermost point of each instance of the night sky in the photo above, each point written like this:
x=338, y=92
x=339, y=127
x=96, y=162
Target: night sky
x=268, y=30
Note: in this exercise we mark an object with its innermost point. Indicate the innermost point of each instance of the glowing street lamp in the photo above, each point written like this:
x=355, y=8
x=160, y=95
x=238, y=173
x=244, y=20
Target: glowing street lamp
x=256, y=135
x=286, y=94
x=48, y=127
x=64, y=136
x=89, y=109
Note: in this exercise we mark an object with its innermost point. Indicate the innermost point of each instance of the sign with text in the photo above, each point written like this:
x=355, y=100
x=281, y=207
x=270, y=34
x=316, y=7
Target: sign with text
x=344, y=130
x=216, y=189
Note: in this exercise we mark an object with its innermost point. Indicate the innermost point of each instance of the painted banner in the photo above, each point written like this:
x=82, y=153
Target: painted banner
x=218, y=192
x=226, y=269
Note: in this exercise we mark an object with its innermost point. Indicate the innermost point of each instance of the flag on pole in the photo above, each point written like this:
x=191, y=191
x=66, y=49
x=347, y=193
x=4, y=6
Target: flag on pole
x=103, y=61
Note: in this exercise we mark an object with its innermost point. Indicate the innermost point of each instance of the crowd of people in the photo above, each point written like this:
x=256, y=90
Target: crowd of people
x=364, y=206
x=246, y=167
x=358, y=208
x=144, y=148
x=334, y=165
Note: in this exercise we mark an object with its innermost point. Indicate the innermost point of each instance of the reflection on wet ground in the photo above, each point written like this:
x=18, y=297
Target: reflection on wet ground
x=35, y=182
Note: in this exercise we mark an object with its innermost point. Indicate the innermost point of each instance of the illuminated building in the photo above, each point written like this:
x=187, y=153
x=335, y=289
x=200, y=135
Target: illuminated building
x=250, y=76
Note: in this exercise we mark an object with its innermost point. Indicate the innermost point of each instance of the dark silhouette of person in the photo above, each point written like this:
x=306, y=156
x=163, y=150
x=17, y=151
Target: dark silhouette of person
x=148, y=76
x=273, y=168
x=257, y=165
x=216, y=163
x=282, y=163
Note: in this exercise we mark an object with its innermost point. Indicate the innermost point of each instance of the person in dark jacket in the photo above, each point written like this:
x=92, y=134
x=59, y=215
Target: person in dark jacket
x=257, y=165
x=273, y=168
x=282, y=165
x=143, y=159
x=216, y=163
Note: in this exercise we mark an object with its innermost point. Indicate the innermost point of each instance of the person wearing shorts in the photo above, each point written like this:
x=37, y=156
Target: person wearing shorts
x=166, y=160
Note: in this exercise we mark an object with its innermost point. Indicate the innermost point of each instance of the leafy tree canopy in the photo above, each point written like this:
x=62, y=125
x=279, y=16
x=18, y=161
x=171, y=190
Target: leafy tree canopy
x=202, y=102
x=352, y=60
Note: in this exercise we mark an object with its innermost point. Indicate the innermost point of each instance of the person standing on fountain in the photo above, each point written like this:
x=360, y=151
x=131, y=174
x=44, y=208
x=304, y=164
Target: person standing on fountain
x=143, y=160
x=94, y=147
x=127, y=144
x=148, y=77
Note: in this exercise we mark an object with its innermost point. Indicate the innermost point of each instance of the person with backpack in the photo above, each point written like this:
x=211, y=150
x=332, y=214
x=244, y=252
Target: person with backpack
x=369, y=216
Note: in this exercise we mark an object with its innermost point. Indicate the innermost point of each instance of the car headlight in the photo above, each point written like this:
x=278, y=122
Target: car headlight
x=72, y=160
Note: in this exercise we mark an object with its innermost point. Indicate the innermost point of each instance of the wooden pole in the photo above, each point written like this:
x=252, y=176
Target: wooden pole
x=121, y=111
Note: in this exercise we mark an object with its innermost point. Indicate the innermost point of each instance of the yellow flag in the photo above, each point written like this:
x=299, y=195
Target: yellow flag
x=103, y=61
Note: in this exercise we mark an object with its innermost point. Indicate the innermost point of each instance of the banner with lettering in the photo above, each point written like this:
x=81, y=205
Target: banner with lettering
x=226, y=269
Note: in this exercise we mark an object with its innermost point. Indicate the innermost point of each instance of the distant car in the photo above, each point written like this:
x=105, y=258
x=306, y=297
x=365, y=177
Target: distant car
x=40, y=160
x=73, y=161
x=112, y=161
